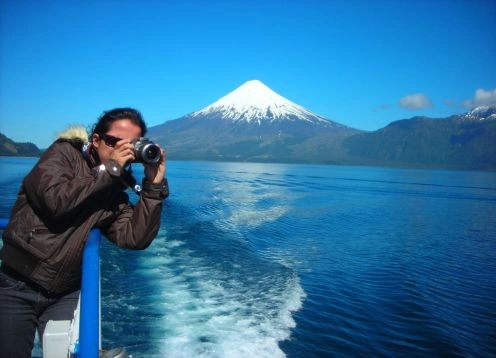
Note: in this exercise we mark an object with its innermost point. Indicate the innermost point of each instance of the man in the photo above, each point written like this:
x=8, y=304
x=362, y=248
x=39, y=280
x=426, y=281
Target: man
x=72, y=189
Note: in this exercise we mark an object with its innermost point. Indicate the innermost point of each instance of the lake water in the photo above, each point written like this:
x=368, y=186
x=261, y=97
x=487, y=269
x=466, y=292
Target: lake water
x=273, y=260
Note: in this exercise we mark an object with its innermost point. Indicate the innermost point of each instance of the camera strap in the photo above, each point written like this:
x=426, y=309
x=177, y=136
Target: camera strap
x=128, y=180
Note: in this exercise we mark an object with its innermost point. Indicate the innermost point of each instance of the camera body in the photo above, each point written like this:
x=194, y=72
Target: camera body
x=145, y=151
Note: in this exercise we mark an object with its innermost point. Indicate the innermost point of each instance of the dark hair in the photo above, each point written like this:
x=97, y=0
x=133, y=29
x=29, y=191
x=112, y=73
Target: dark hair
x=103, y=123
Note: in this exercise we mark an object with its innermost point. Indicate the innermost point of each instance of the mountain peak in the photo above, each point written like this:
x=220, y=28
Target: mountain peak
x=481, y=113
x=253, y=101
x=254, y=86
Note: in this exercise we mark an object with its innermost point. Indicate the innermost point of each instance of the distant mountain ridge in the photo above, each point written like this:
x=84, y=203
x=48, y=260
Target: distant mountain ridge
x=253, y=123
x=13, y=149
x=466, y=141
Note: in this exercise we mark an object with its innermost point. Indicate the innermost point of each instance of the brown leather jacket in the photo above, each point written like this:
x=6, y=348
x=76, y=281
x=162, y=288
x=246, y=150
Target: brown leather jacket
x=60, y=201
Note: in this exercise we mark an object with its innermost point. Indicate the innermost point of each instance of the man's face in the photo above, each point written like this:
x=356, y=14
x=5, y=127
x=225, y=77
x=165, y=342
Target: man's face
x=120, y=129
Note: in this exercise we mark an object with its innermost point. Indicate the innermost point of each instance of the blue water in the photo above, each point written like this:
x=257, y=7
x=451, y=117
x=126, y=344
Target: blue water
x=272, y=260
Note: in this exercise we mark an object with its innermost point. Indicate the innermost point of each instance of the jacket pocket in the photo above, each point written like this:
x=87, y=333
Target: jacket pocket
x=40, y=243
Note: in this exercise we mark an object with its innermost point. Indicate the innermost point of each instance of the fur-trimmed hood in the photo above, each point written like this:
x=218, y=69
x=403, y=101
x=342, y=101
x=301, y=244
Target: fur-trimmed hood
x=74, y=132
x=77, y=136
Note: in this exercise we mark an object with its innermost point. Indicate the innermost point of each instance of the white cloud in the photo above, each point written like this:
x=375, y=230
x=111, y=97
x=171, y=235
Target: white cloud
x=415, y=101
x=482, y=98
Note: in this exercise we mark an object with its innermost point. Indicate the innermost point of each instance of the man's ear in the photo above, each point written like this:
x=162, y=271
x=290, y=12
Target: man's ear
x=95, y=140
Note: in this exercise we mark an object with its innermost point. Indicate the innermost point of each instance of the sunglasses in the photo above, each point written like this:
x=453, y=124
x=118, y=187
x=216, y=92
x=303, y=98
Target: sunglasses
x=110, y=140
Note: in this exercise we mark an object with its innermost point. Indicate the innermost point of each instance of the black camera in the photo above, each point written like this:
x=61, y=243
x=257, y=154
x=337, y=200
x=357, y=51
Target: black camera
x=145, y=151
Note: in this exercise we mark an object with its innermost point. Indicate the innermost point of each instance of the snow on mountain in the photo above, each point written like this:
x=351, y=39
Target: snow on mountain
x=482, y=113
x=254, y=102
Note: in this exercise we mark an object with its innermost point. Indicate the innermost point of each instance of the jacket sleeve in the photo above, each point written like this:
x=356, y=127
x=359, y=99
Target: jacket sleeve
x=136, y=227
x=58, y=185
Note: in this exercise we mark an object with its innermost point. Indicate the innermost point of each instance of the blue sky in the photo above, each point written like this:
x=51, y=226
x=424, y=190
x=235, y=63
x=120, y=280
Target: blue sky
x=360, y=63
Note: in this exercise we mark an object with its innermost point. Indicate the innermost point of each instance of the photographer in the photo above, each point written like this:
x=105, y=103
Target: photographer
x=73, y=188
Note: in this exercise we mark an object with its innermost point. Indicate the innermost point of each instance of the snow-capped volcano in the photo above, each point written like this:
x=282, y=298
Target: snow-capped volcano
x=254, y=102
x=254, y=123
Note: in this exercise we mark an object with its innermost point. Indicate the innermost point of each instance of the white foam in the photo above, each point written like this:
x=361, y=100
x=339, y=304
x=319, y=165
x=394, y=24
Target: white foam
x=211, y=312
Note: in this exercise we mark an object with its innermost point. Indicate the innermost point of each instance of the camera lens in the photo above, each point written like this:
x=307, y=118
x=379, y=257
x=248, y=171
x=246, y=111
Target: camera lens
x=151, y=153
x=146, y=151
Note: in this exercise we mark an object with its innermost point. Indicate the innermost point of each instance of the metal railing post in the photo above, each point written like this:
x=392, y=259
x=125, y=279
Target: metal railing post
x=89, y=326
x=3, y=223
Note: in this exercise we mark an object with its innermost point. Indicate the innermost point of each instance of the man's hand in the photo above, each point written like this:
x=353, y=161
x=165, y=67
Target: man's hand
x=123, y=152
x=155, y=173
